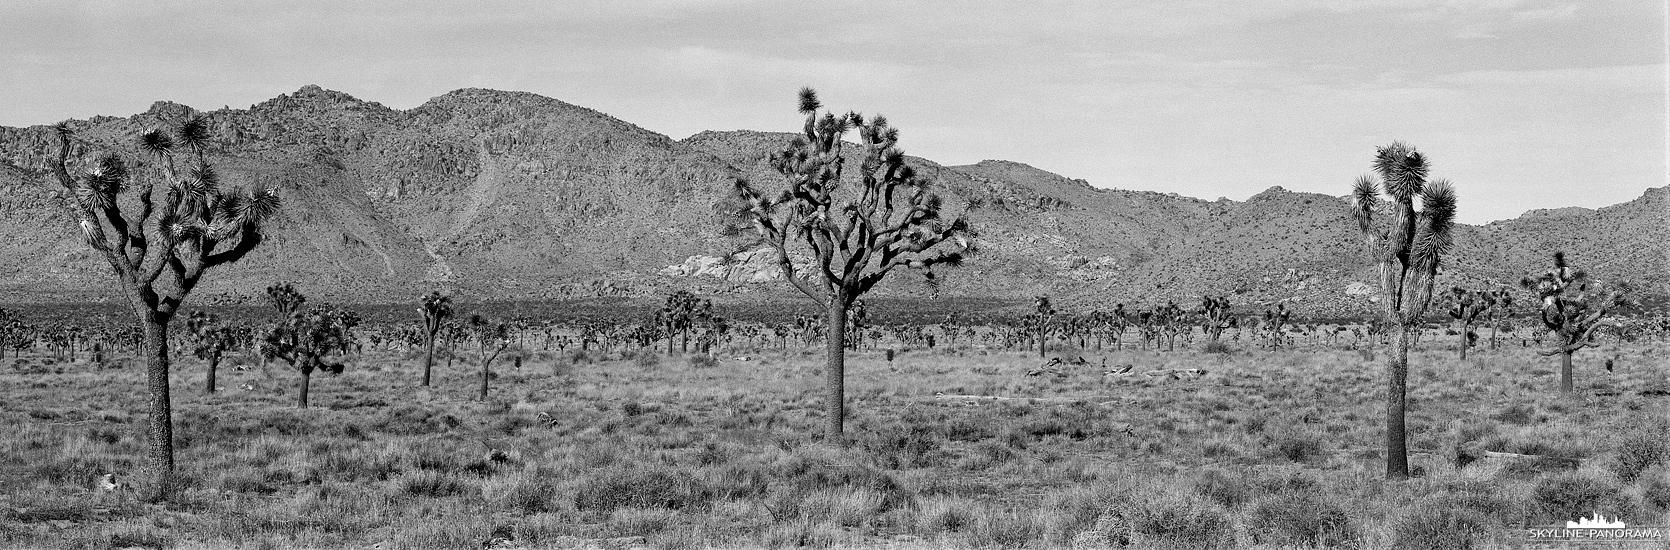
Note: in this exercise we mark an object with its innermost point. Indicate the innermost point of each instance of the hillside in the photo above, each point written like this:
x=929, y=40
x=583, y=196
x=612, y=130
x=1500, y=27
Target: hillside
x=506, y=195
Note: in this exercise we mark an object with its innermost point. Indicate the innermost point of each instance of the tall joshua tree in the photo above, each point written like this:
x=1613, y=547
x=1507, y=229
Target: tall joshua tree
x=161, y=226
x=435, y=309
x=1407, y=245
x=1466, y=306
x=855, y=235
x=1572, y=308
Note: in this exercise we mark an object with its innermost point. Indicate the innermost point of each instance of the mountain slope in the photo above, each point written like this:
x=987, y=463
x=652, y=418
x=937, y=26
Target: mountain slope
x=512, y=195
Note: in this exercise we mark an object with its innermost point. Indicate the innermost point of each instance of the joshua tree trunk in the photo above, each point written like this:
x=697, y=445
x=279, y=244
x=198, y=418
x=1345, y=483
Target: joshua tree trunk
x=428, y=358
x=161, y=429
x=214, y=362
x=835, y=370
x=1565, y=371
x=1043, y=337
x=1463, y=340
x=301, y=393
x=485, y=372
x=1397, y=390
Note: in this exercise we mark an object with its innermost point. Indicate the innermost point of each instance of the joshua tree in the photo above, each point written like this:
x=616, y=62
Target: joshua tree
x=677, y=316
x=213, y=339
x=1407, y=250
x=855, y=236
x=1501, y=308
x=1214, y=317
x=285, y=299
x=1040, y=320
x=491, y=340
x=1466, y=307
x=858, y=320
x=306, y=340
x=161, y=241
x=1274, y=320
x=435, y=309
x=1572, y=309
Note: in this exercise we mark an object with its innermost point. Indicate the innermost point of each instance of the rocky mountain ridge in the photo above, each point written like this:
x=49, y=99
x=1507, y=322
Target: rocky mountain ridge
x=510, y=195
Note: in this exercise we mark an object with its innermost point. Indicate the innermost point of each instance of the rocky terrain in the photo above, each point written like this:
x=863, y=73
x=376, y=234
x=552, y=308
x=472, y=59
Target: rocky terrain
x=510, y=195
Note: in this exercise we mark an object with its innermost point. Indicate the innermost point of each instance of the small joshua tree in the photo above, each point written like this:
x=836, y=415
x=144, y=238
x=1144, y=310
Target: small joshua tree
x=1275, y=321
x=491, y=340
x=678, y=316
x=855, y=236
x=1407, y=250
x=1039, y=321
x=1501, y=309
x=183, y=228
x=435, y=309
x=1572, y=309
x=1214, y=317
x=212, y=339
x=1465, y=307
x=307, y=340
x=285, y=299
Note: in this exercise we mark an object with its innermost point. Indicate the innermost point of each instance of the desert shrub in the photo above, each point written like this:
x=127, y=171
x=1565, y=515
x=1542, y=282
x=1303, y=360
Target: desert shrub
x=843, y=507
x=150, y=540
x=1517, y=413
x=425, y=483
x=897, y=447
x=247, y=482
x=1301, y=518
x=1476, y=495
x=1067, y=513
x=1002, y=529
x=639, y=488
x=987, y=454
x=944, y=514
x=639, y=521
x=702, y=361
x=1655, y=487
x=1641, y=449
x=1218, y=346
x=1224, y=488
x=1570, y=495
x=415, y=420
x=1297, y=445
x=524, y=494
x=965, y=428
x=1428, y=526
x=647, y=359
x=735, y=481
x=1166, y=518
x=808, y=470
x=801, y=534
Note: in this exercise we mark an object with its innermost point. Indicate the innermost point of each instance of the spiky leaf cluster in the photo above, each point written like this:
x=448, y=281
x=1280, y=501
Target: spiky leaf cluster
x=856, y=237
x=1406, y=243
x=435, y=308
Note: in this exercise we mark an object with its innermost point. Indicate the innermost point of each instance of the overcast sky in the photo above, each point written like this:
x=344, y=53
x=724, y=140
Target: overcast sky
x=1522, y=103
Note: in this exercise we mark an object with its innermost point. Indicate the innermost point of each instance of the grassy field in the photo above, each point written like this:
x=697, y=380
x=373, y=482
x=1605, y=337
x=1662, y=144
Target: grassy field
x=1268, y=449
